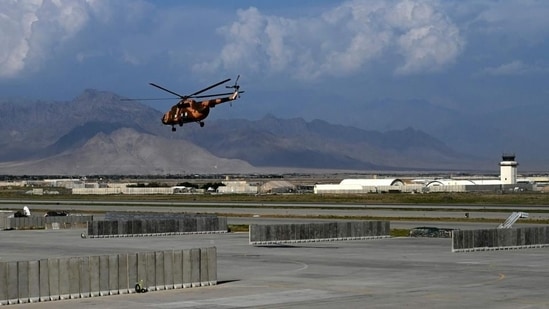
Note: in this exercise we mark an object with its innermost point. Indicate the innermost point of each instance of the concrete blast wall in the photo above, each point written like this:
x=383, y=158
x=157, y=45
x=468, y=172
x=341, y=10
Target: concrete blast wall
x=294, y=233
x=500, y=239
x=149, y=227
x=90, y=276
x=40, y=222
x=5, y=219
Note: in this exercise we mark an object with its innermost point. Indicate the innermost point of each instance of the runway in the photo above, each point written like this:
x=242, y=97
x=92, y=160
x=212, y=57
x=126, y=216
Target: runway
x=288, y=210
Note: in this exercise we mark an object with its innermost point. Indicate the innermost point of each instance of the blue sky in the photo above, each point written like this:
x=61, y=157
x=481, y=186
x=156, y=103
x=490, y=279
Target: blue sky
x=310, y=59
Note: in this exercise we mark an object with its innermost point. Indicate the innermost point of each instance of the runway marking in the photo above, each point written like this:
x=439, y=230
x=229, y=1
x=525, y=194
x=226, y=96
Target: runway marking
x=303, y=267
x=500, y=277
x=254, y=300
x=472, y=263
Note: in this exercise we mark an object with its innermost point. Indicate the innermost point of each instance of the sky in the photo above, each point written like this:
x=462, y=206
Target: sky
x=307, y=58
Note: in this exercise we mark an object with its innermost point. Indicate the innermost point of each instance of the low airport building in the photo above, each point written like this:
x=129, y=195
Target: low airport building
x=507, y=181
x=10, y=184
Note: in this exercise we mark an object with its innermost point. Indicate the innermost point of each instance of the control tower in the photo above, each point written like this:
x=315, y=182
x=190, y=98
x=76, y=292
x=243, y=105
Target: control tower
x=508, y=169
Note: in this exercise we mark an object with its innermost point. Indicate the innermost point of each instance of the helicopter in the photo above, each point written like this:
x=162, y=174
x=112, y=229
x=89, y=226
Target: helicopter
x=189, y=110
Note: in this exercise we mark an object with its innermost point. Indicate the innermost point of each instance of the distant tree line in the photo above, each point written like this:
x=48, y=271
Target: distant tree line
x=155, y=184
x=205, y=186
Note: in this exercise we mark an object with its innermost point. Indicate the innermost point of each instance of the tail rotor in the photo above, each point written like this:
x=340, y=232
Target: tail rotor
x=236, y=87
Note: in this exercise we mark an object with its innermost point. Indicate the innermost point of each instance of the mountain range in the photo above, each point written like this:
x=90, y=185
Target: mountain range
x=99, y=133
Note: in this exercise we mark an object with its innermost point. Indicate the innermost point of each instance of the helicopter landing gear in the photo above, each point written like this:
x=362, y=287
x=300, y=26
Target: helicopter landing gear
x=201, y=124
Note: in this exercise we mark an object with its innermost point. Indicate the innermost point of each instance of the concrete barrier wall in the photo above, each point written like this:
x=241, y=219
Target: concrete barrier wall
x=144, y=190
x=151, y=227
x=123, y=190
x=80, y=277
x=40, y=222
x=100, y=191
x=5, y=219
x=500, y=239
x=294, y=233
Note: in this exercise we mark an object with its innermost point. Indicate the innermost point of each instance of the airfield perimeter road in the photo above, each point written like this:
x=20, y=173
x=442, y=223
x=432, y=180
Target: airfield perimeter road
x=383, y=273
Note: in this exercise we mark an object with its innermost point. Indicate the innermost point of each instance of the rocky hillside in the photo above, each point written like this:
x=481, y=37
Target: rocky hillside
x=99, y=133
x=128, y=152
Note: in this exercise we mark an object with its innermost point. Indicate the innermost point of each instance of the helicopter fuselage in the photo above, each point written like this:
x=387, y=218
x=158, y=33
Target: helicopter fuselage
x=184, y=112
x=189, y=110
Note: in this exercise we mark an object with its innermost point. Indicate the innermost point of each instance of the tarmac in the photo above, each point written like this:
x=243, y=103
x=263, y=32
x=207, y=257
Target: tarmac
x=399, y=272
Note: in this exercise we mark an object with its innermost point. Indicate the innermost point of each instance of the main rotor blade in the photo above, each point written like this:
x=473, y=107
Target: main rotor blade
x=150, y=99
x=212, y=95
x=215, y=95
x=169, y=91
x=210, y=87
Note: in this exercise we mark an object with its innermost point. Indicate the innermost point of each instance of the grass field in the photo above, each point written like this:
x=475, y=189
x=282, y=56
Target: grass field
x=522, y=198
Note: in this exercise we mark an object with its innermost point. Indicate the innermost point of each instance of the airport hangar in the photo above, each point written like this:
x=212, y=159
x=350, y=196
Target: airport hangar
x=507, y=181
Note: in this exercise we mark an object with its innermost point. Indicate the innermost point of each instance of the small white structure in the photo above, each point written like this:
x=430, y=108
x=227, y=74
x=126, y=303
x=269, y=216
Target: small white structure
x=68, y=183
x=237, y=187
x=508, y=169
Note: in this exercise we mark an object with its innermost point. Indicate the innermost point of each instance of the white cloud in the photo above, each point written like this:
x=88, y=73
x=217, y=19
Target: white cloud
x=342, y=41
x=29, y=30
x=15, y=29
x=512, y=68
x=406, y=37
x=33, y=32
x=525, y=19
x=429, y=40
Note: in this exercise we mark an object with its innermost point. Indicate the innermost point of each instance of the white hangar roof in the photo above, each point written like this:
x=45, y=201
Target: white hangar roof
x=372, y=182
x=463, y=182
